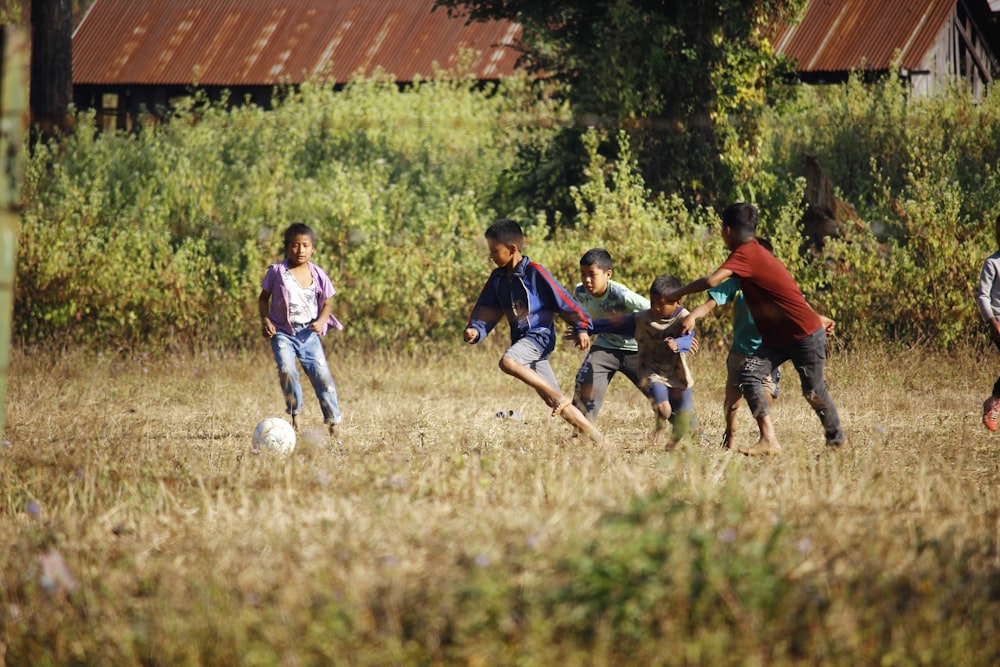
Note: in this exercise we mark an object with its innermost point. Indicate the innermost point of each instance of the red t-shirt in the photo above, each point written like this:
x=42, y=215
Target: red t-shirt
x=774, y=298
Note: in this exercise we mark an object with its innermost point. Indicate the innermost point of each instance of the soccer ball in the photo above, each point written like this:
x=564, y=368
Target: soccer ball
x=274, y=434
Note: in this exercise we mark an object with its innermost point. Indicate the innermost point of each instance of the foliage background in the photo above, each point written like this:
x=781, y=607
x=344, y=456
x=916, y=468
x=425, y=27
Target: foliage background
x=157, y=240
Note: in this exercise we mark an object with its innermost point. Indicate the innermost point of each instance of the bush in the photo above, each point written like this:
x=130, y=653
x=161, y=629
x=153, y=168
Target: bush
x=921, y=174
x=159, y=239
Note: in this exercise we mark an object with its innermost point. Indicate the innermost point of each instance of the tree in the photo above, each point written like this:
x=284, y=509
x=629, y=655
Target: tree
x=687, y=80
x=51, y=67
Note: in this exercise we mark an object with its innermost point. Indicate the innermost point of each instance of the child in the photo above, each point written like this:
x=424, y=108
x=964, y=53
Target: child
x=529, y=297
x=294, y=306
x=746, y=340
x=789, y=328
x=988, y=300
x=609, y=353
x=663, y=372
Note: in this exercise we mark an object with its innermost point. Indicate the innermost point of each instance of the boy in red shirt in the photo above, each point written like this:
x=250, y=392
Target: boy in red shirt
x=789, y=328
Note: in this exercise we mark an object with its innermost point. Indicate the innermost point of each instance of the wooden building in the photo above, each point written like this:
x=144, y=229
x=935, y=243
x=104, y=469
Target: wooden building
x=933, y=44
x=135, y=55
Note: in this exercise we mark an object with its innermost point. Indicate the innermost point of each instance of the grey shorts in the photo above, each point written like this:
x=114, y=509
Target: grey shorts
x=526, y=353
x=734, y=364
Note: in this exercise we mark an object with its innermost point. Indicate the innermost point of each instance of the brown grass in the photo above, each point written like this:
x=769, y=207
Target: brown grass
x=438, y=533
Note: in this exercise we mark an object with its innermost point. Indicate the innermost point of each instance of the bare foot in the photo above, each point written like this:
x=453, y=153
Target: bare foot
x=762, y=448
x=295, y=423
x=592, y=438
x=562, y=405
x=334, y=431
x=727, y=440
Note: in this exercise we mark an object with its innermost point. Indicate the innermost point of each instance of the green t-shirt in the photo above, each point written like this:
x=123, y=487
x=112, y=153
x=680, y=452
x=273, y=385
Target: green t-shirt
x=746, y=338
x=617, y=300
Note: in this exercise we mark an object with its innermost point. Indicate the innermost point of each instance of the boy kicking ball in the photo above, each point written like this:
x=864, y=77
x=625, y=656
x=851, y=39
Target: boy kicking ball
x=528, y=297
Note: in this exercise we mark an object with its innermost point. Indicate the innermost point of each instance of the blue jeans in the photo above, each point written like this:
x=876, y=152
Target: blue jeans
x=809, y=357
x=305, y=346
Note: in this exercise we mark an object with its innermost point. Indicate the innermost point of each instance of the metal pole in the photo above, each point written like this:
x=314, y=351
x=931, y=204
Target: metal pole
x=15, y=59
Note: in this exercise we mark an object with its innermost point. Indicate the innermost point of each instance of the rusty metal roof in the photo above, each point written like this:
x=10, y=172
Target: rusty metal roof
x=267, y=42
x=844, y=35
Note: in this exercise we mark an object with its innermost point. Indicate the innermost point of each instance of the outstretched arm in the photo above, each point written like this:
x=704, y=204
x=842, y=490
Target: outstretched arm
x=622, y=324
x=687, y=324
x=700, y=285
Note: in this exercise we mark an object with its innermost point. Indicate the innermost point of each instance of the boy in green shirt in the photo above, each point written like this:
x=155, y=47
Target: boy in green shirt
x=610, y=353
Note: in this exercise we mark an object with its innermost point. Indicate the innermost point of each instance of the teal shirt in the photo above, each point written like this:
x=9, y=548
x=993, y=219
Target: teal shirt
x=617, y=300
x=746, y=338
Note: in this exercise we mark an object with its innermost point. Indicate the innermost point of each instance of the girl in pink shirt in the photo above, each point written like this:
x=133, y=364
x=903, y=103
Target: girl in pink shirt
x=294, y=306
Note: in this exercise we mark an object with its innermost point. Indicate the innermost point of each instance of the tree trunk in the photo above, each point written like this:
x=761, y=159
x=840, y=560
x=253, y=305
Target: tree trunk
x=51, y=68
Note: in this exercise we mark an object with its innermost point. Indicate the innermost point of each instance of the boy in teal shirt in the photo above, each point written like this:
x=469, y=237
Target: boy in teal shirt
x=746, y=340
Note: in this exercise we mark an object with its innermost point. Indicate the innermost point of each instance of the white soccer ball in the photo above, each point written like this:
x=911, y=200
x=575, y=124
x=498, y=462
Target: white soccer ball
x=274, y=434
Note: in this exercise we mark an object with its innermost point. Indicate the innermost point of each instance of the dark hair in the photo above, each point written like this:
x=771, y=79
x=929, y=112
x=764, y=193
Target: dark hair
x=299, y=229
x=742, y=219
x=506, y=231
x=664, y=285
x=766, y=244
x=598, y=257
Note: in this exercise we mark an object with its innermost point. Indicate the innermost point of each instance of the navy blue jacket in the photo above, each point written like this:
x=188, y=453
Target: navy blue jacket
x=529, y=299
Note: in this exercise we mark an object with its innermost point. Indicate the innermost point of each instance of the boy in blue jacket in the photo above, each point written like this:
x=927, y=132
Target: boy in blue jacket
x=529, y=297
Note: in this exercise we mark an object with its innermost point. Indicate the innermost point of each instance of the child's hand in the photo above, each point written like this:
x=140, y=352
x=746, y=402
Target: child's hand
x=471, y=335
x=687, y=324
x=671, y=343
x=268, y=327
x=694, y=345
x=828, y=324
x=583, y=340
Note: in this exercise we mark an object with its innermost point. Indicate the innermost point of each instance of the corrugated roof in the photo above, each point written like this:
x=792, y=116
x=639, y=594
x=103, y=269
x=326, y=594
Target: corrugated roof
x=844, y=35
x=266, y=42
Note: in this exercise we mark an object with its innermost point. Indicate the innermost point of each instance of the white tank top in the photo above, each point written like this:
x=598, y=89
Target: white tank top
x=302, y=305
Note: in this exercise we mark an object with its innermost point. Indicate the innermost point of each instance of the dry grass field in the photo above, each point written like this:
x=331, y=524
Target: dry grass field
x=138, y=527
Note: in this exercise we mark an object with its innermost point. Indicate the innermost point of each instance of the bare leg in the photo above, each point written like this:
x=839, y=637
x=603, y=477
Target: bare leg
x=295, y=423
x=768, y=443
x=662, y=412
x=560, y=404
x=579, y=421
x=730, y=410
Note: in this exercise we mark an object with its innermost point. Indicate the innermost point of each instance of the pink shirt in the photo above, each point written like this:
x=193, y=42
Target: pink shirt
x=274, y=284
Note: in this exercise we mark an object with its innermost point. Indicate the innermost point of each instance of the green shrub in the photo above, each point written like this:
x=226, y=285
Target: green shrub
x=159, y=239
x=922, y=176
